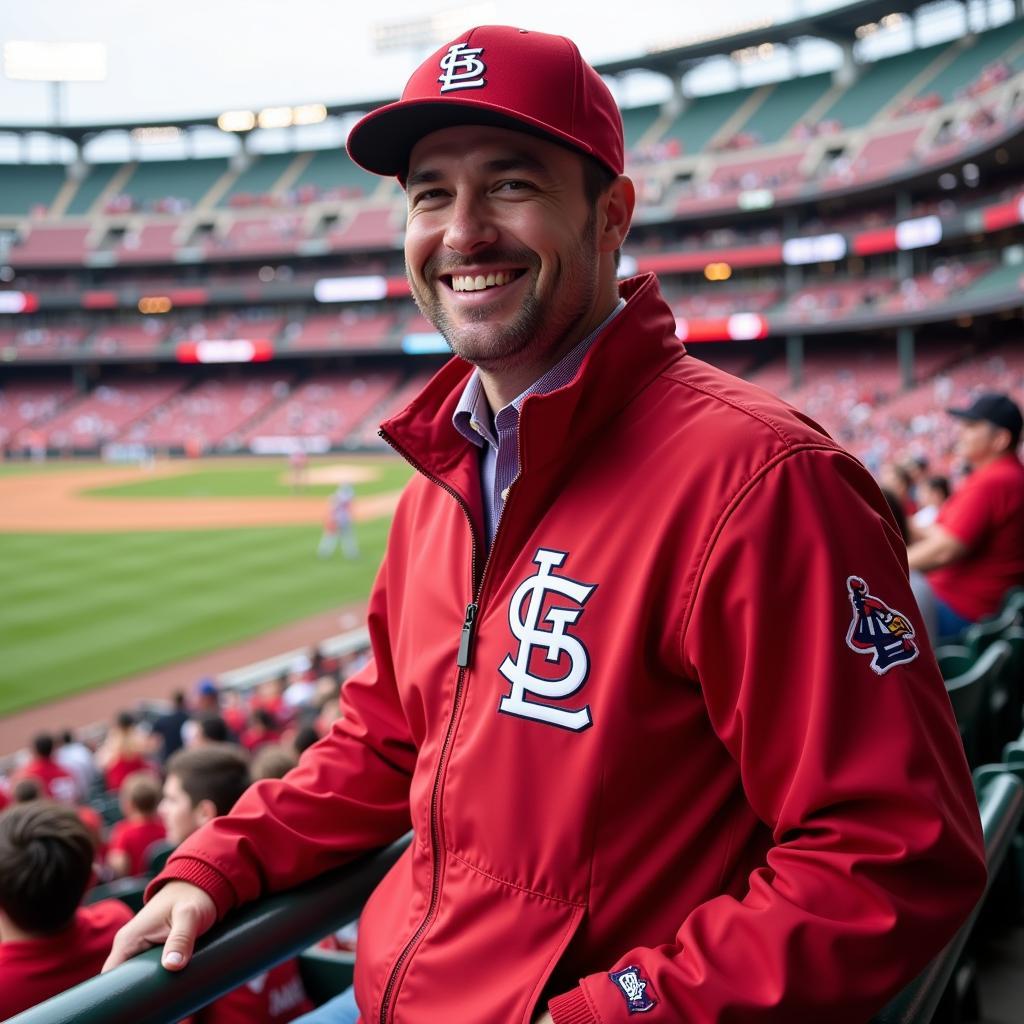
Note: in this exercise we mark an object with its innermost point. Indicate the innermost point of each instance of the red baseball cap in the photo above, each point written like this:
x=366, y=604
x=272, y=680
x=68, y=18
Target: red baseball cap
x=505, y=77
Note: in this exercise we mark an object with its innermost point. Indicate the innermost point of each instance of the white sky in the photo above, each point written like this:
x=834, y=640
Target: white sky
x=198, y=57
x=187, y=58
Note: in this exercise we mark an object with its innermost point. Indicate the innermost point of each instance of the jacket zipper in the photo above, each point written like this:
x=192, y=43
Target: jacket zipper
x=465, y=649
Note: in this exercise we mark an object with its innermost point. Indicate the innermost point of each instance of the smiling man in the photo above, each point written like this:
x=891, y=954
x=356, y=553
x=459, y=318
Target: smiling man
x=648, y=680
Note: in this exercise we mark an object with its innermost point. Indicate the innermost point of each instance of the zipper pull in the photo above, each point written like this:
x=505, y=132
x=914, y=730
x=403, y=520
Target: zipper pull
x=466, y=639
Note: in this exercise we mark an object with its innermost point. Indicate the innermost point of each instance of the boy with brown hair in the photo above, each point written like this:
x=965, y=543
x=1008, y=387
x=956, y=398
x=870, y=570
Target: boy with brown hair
x=141, y=826
x=202, y=784
x=47, y=941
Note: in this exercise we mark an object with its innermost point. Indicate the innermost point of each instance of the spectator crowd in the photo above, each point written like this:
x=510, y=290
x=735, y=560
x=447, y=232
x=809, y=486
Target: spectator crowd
x=82, y=822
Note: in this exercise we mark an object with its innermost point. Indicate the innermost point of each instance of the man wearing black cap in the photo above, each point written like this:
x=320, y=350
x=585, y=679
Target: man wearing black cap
x=974, y=552
x=662, y=731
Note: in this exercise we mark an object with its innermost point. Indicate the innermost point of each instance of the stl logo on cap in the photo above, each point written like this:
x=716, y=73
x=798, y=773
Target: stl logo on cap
x=462, y=68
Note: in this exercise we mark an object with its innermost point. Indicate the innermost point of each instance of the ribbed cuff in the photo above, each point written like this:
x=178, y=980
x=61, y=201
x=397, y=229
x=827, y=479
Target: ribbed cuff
x=571, y=1008
x=199, y=873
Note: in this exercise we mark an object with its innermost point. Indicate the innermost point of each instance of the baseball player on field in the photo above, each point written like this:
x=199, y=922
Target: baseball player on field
x=648, y=681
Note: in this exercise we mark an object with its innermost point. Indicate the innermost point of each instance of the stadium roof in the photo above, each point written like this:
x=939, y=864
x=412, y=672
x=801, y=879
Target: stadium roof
x=838, y=25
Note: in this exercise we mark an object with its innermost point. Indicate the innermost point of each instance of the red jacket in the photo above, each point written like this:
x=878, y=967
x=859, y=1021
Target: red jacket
x=697, y=760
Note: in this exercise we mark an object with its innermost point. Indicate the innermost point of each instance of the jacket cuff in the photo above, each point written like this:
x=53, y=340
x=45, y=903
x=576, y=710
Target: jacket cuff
x=571, y=1008
x=199, y=873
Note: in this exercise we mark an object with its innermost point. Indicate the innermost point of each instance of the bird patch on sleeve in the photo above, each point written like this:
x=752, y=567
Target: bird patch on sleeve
x=878, y=630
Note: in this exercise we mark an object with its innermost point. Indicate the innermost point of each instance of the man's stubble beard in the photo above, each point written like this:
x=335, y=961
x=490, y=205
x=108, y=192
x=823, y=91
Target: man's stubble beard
x=533, y=328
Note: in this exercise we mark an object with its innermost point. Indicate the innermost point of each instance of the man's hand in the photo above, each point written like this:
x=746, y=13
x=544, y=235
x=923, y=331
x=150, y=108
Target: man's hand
x=176, y=916
x=544, y=1018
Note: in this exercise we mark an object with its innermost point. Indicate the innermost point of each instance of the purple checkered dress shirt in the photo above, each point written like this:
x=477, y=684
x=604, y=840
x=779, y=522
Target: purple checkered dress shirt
x=499, y=443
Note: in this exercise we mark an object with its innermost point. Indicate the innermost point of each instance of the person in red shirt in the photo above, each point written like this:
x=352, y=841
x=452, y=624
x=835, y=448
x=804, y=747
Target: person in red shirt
x=203, y=783
x=141, y=826
x=974, y=551
x=261, y=731
x=47, y=941
x=56, y=783
x=121, y=752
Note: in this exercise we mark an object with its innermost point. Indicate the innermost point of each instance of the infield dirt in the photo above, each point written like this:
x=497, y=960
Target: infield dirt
x=57, y=503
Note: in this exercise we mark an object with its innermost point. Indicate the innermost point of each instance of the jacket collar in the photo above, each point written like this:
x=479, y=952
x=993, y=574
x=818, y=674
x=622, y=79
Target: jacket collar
x=630, y=352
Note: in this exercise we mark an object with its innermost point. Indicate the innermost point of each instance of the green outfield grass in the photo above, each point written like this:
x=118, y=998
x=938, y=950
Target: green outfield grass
x=248, y=480
x=81, y=609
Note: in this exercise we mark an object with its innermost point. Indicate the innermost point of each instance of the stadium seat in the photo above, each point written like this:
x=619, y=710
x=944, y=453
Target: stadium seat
x=24, y=187
x=156, y=856
x=877, y=84
x=89, y=189
x=954, y=660
x=979, y=636
x=1015, y=599
x=183, y=181
x=128, y=890
x=934, y=994
x=784, y=107
x=978, y=696
x=109, y=807
x=325, y=972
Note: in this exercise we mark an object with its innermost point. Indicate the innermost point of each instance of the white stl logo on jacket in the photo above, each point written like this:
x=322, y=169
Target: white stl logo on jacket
x=555, y=641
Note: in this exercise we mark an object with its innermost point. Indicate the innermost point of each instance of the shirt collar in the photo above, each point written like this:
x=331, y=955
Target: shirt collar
x=472, y=416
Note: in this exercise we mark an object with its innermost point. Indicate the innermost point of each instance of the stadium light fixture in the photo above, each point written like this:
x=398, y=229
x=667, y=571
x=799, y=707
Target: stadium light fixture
x=55, y=62
x=236, y=121
x=309, y=113
x=275, y=117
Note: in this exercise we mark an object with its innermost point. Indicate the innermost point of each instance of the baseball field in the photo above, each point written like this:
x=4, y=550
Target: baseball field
x=109, y=571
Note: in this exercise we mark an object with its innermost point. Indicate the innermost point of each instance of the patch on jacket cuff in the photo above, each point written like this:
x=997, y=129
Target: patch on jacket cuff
x=635, y=989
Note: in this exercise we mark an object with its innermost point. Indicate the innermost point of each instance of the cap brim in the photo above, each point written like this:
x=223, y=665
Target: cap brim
x=964, y=414
x=382, y=141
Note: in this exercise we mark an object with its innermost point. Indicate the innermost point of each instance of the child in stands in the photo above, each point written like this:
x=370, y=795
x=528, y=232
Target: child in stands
x=47, y=941
x=202, y=783
x=140, y=828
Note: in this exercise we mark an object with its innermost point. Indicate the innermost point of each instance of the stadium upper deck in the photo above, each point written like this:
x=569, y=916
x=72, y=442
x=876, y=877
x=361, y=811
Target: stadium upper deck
x=791, y=157
x=882, y=203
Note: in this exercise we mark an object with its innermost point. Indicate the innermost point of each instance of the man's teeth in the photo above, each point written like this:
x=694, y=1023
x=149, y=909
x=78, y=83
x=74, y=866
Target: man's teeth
x=468, y=283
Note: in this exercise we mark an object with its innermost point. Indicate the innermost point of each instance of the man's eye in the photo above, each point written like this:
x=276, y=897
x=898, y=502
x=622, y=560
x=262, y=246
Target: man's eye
x=514, y=186
x=426, y=195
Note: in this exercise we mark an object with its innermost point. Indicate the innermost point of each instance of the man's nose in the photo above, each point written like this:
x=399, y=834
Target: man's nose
x=469, y=228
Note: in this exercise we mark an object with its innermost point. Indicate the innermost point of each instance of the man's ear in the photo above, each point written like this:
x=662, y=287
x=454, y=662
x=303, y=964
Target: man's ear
x=615, y=213
x=1002, y=439
x=204, y=811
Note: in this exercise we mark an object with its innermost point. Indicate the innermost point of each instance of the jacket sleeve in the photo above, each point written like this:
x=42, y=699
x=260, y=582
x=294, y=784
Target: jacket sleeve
x=847, y=750
x=348, y=794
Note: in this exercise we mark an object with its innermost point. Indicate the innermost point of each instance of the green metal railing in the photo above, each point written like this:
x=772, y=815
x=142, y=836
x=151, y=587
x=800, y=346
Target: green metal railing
x=250, y=941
